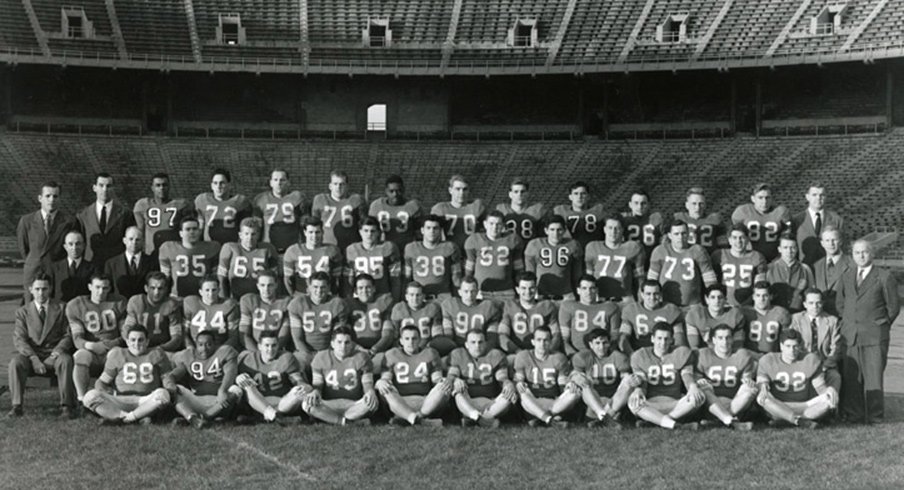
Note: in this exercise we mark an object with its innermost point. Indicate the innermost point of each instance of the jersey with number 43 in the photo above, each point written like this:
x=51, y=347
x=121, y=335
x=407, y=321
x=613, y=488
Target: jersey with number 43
x=316, y=321
x=274, y=378
x=411, y=372
x=581, y=318
x=340, y=378
x=221, y=318
x=662, y=375
x=604, y=373
x=241, y=266
x=460, y=222
x=432, y=267
x=160, y=220
x=616, y=269
x=638, y=321
x=221, y=218
x=789, y=382
x=584, y=226
x=725, y=374
x=542, y=375
x=300, y=263
x=162, y=321
x=186, y=266
x=96, y=322
x=479, y=316
x=763, y=329
x=205, y=376
x=557, y=266
x=479, y=373
x=280, y=216
x=340, y=218
x=398, y=223
x=521, y=322
x=136, y=375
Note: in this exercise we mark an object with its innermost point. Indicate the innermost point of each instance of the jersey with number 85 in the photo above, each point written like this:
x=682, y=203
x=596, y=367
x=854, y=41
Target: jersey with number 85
x=662, y=375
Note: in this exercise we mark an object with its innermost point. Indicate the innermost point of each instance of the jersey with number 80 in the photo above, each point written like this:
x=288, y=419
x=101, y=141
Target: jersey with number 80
x=662, y=375
x=789, y=382
x=96, y=322
x=136, y=375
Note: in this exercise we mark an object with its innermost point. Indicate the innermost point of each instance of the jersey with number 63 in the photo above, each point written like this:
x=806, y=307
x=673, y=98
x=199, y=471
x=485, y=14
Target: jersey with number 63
x=136, y=375
x=205, y=376
x=662, y=376
x=340, y=378
x=221, y=318
x=604, y=373
x=581, y=318
x=432, y=267
x=274, y=378
x=411, y=373
x=725, y=374
x=789, y=382
x=557, y=266
x=638, y=321
x=280, y=216
x=479, y=373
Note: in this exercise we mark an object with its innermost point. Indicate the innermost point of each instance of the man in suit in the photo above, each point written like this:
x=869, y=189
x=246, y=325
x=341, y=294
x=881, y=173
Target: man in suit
x=829, y=269
x=40, y=234
x=129, y=269
x=104, y=222
x=43, y=347
x=821, y=334
x=71, y=274
x=810, y=223
x=867, y=300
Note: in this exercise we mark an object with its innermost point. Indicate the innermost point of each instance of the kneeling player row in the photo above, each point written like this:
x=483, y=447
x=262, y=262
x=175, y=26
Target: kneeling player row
x=662, y=384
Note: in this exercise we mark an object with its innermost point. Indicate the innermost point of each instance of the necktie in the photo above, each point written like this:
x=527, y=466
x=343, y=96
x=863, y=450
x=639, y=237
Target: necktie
x=72, y=268
x=42, y=314
x=861, y=274
x=818, y=223
x=103, y=219
x=134, y=264
x=47, y=224
x=814, y=336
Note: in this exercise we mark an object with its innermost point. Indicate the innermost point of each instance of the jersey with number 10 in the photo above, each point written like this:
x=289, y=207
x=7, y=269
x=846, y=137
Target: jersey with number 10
x=136, y=375
x=432, y=267
x=557, y=266
x=398, y=223
x=662, y=375
x=161, y=221
x=461, y=222
x=222, y=218
x=340, y=218
x=604, y=373
x=585, y=225
x=280, y=216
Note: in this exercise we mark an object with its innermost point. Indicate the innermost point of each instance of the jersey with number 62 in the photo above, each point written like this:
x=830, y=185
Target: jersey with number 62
x=398, y=223
x=136, y=375
x=222, y=218
x=259, y=317
x=662, y=375
x=316, y=321
x=460, y=222
x=163, y=320
x=479, y=373
x=543, y=376
x=681, y=273
x=480, y=315
x=585, y=225
x=369, y=318
x=527, y=224
x=186, y=266
x=763, y=329
x=738, y=274
x=160, y=220
x=604, y=373
x=96, y=322
x=340, y=218
x=432, y=267
x=519, y=323
x=428, y=319
x=274, y=378
x=205, y=376
x=221, y=318
x=300, y=263
x=280, y=216
x=581, y=319
x=763, y=228
x=557, y=266
x=411, y=373
x=725, y=375
x=789, y=382
x=703, y=231
x=638, y=321
x=616, y=269
x=242, y=266
x=340, y=378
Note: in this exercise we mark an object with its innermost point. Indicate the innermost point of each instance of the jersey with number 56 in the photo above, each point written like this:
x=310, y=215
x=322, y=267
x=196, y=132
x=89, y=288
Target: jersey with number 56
x=604, y=373
x=789, y=382
x=206, y=375
x=340, y=218
x=662, y=376
x=411, y=374
x=340, y=378
x=581, y=319
x=96, y=322
x=432, y=267
x=162, y=321
x=160, y=221
x=519, y=323
x=274, y=378
x=221, y=218
x=638, y=321
x=616, y=269
x=725, y=374
x=280, y=216
x=241, y=266
x=738, y=274
x=221, y=318
x=557, y=266
x=763, y=229
x=763, y=329
x=398, y=223
x=186, y=266
x=479, y=373
x=300, y=263
x=136, y=375
x=527, y=224
x=584, y=226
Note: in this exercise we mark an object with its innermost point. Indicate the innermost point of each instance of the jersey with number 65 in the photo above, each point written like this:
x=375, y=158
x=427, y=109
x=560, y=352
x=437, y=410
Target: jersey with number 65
x=604, y=373
x=738, y=274
x=662, y=376
x=460, y=222
x=280, y=216
x=482, y=315
x=527, y=224
x=519, y=323
x=557, y=266
x=681, y=273
x=637, y=321
x=763, y=229
x=428, y=319
x=411, y=373
x=259, y=317
x=725, y=374
x=544, y=377
x=136, y=375
x=316, y=321
x=398, y=223
x=432, y=267
x=581, y=318
x=163, y=321
x=300, y=263
x=186, y=266
x=789, y=382
x=369, y=318
x=205, y=376
x=584, y=226
x=616, y=269
x=479, y=373
x=160, y=221
x=96, y=322
x=340, y=218
x=340, y=379
x=221, y=318
x=221, y=218
x=242, y=266
x=763, y=329
x=274, y=378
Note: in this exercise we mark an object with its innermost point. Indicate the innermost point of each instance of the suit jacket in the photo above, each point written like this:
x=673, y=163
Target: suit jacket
x=66, y=287
x=31, y=337
x=828, y=283
x=829, y=344
x=867, y=311
x=125, y=282
x=807, y=241
x=100, y=246
x=40, y=249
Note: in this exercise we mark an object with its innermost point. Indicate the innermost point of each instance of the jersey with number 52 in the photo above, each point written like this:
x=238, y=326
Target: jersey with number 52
x=432, y=267
x=581, y=318
x=725, y=374
x=789, y=382
x=495, y=260
x=206, y=375
x=221, y=218
x=662, y=375
x=96, y=322
x=136, y=375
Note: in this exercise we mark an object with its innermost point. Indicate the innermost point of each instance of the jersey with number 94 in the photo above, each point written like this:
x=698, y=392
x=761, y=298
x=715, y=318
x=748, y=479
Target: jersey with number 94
x=543, y=376
x=432, y=267
x=136, y=375
x=725, y=374
x=480, y=373
x=581, y=318
x=763, y=329
x=556, y=266
x=604, y=373
x=662, y=375
x=96, y=322
x=340, y=378
x=280, y=216
x=585, y=225
x=206, y=375
x=160, y=220
x=274, y=378
x=340, y=218
x=222, y=218
x=638, y=321
x=221, y=318
x=789, y=382
x=411, y=374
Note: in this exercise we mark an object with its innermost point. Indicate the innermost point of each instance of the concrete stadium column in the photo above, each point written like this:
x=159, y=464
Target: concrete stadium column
x=733, y=102
x=889, y=95
x=758, y=105
x=6, y=98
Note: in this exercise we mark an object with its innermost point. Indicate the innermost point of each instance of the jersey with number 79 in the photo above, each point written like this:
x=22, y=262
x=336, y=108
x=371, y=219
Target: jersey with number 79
x=280, y=216
x=662, y=375
x=136, y=375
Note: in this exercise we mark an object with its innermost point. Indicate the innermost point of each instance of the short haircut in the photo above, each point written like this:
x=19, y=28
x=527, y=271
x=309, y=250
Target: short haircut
x=51, y=184
x=434, y=218
x=309, y=220
x=266, y=273
x=640, y=192
x=816, y=185
x=721, y=326
x=762, y=285
x=475, y=331
x=495, y=214
x=208, y=278
x=586, y=277
x=414, y=285
x=156, y=276
x=762, y=186
x=650, y=283
x=695, y=191
x=411, y=328
x=556, y=219
x=41, y=276
x=457, y=178
x=280, y=170
x=137, y=328
x=339, y=173
x=343, y=330
x=542, y=328
x=206, y=333
x=394, y=179
x=594, y=334
x=810, y=291
x=188, y=219
x=675, y=223
x=364, y=277
x=663, y=327
x=369, y=221
x=830, y=229
x=100, y=276
x=739, y=227
x=787, y=236
x=469, y=279
x=319, y=276
x=520, y=181
x=221, y=171
x=714, y=287
x=615, y=217
x=252, y=222
x=102, y=175
x=789, y=334
x=267, y=334
x=160, y=175
x=525, y=276
x=578, y=184
x=74, y=232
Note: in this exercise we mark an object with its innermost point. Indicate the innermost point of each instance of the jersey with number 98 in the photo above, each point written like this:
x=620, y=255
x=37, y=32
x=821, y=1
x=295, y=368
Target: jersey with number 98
x=763, y=329
x=662, y=376
x=340, y=378
x=136, y=375
x=206, y=375
x=581, y=319
x=789, y=382
x=604, y=373
x=725, y=375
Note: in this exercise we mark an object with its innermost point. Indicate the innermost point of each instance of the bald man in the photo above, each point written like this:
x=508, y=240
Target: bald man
x=130, y=268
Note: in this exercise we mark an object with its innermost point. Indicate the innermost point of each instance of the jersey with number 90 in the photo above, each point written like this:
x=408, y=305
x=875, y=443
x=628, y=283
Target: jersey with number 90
x=221, y=218
x=557, y=266
x=411, y=374
x=725, y=375
x=604, y=373
x=481, y=315
x=580, y=319
x=96, y=322
x=789, y=382
x=340, y=378
x=280, y=216
x=662, y=376
x=136, y=375
x=763, y=329
x=480, y=374
x=205, y=376
x=638, y=321
x=274, y=378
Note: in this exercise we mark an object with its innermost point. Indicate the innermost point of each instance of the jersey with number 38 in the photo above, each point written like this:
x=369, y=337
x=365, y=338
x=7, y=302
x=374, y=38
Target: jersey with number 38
x=432, y=267
x=136, y=375
x=662, y=376
x=340, y=218
x=206, y=375
x=789, y=382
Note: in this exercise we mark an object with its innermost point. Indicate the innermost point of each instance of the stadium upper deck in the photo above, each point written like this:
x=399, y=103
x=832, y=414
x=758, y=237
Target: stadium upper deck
x=418, y=37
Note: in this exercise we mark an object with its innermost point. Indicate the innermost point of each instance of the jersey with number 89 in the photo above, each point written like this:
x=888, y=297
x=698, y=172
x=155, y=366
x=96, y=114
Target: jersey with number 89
x=340, y=378
x=206, y=375
x=789, y=382
x=479, y=373
x=638, y=321
x=432, y=267
x=585, y=225
x=411, y=373
x=280, y=216
x=136, y=375
x=556, y=266
x=763, y=329
x=662, y=376
x=725, y=375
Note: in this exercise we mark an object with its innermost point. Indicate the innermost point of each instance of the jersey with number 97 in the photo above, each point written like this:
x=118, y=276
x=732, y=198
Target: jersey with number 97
x=222, y=218
x=580, y=319
x=725, y=375
x=205, y=376
x=274, y=378
x=662, y=376
x=411, y=374
x=789, y=382
x=340, y=378
x=160, y=220
x=604, y=373
x=280, y=216
x=480, y=373
x=136, y=375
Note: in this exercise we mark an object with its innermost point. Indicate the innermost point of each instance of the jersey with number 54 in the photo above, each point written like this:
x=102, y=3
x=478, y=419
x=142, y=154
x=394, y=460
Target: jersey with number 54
x=280, y=216
x=763, y=329
x=725, y=374
x=789, y=382
x=340, y=218
x=205, y=376
x=300, y=263
x=662, y=375
x=432, y=267
x=557, y=266
x=221, y=218
x=136, y=375
x=638, y=321
x=580, y=319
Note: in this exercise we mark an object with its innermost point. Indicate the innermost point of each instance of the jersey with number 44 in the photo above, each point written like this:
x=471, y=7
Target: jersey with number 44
x=186, y=266
x=581, y=318
x=725, y=374
x=280, y=216
x=340, y=218
x=411, y=372
x=221, y=318
x=96, y=322
x=662, y=375
x=136, y=375
x=585, y=225
x=789, y=382
x=222, y=218
x=205, y=376
x=461, y=222
x=161, y=220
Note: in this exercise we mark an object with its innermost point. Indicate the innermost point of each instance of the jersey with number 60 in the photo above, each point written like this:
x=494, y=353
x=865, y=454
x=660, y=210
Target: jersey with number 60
x=280, y=216
x=411, y=373
x=300, y=263
x=432, y=267
x=316, y=321
x=221, y=318
x=96, y=322
x=274, y=378
x=163, y=321
x=340, y=378
x=398, y=223
x=662, y=376
x=637, y=322
x=160, y=222
x=585, y=225
x=460, y=222
x=604, y=373
x=221, y=218
x=763, y=329
x=681, y=273
x=186, y=266
x=557, y=266
x=616, y=269
x=481, y=315
x=519, y=323
x=340, y=218
x=725, y=374
x=738, y=274
x=205, y=376
x=581, y=319
x=428, y=319
x=136, y=375
x=544, y=377
x=763, y=229
x=242, y=266
x=479, y=373
x=789, y=382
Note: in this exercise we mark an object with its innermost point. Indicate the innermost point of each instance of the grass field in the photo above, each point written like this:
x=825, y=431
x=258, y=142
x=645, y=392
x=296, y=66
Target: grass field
x=39, y=451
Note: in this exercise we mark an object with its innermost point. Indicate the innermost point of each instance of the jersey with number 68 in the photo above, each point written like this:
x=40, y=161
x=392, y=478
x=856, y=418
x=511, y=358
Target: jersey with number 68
x=274, y=378
x=136, y=375
x=519, y=323
x=96, y=322
x=432, y=267
x=242, y=266
x=186, y=266
x=205, y=376
x=340, y=378
x=544, y=377
x=789, y=382
x=585, y=225
x=725, y=374
x=221, y=218
x=428, y=319
x=479, y=373
x=763, y=329
x=662, y=376
x=411, y=374
x=163, y=321
x=580, y=319
x=300, y=263
x=398, y=223
x=557, y=266
x=340, y=218
x=604, y=373
x=160, y=222
x=638, y=321
x=280, y=216
x=616, y=269
x=221, y=318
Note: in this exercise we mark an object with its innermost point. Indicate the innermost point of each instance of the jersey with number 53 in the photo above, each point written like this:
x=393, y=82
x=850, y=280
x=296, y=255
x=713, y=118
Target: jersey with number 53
x=274, y=378
x=221, y=218
x=544, y=377
x=411, y=374
x=557, y=266
x=662, y=376
x=242, y=266
x=460, y=222
x=763, y=228
x=340, y=379
x=604, y=373
x=300, y=263
x=519, y=323
x=581, y=318
x=527, y=223
x=584, y=226
x=763, y=329
x=136, y=375
x=681, y=273
x=205, y=376
x=340, y=218
x=432, y=267
x=725, y=374
x=479, y=373
x=96, y=322
x=638, y=321
x=186, y=266
x=398, y=223
x=789, y=382
x=481, y=316
x=616, y=269
x=280, y=216
x=738, y=274
x=163, y=321
x=160, y=221
x=314, y=321
x=221, y=318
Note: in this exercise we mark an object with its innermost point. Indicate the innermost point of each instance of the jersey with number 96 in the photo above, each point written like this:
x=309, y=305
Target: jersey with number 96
x=340, y=378
x=479, y=373
x=662, y=376
x=789, y=382
x=725, y=375
x=136, y=375
x=556, y=266
x=206, y=375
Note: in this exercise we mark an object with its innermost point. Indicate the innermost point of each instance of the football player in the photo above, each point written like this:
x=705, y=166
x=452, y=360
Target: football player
x=158, y=312
x=556, y=260
x=739, y=267
x=434, y=262
x=764, y=220
x=522, y=316
x=159, y=216
x=95, y=321
x=370, y=313
x=604, y=376
x=312, y=317
x=309, y=256
x=202, y=380
x=461, y=215
x=727, y=376
x=643, y=225
x=415, y=310
x=638, y=319
x=820, y=333
x=494, y=257
x=273, y=382
x=466, y=312
x=480, y=381
x=682, y=269
x=339, y=211
x=704, y=229
x=412, y=382
x=241, y=262
x=343, y=382
x=185, y=262
x=131, y=387
x=617, y=264
x=376, y=258
x=263, y=312
x=521, y=218
x=279, y=209
x=792, y=384
x=577, y=318
x=765, y=321
x=222, y=210
x=666, y=390
x=208, y=311
x=583, y=218
x=396, y=213
x=542, y=378
x=789, y=276
x=700, y=320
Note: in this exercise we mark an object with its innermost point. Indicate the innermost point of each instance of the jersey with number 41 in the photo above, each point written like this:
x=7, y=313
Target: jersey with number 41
x=662, y=375
x=725, y=374
x=205, y=376
x=789, y=382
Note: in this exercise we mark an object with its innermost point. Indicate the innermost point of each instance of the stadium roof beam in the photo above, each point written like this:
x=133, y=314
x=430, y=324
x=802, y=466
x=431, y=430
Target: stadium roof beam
x=449, y=42
x=560, y=34
x=711, y=31
x=780, y=39
x=118, y=39
x=852, y=38
x=304, y=31
x=40, y=35
x=193, y=30
x=638, y=26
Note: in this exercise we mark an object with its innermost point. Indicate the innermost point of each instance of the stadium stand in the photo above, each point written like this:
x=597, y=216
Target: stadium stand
x=155, y=29
x=16, y=33
x=598, y=31
x=826, y=39
x=272, y=30
x=886, y=29
x=750, y=28
x=79, y=40
x=700, y=14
